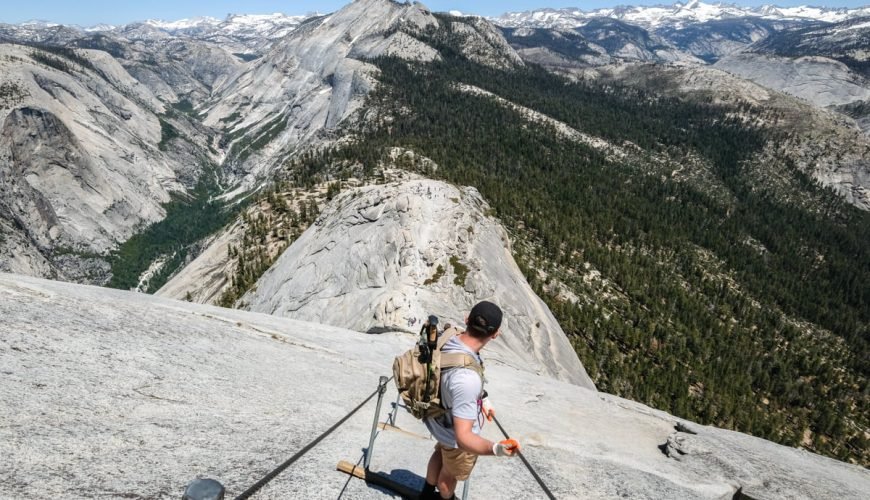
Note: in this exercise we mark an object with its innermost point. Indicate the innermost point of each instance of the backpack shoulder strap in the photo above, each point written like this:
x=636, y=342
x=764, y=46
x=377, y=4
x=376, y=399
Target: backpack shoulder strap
x=457, y=359
x=447, y=335
x=461, y=360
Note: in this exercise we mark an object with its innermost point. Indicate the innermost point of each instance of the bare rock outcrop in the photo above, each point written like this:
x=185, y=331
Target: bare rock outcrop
x=106, y=393
x=313, y=79
x=85, y=159
x=819, y=80
x=320, y=74
x=384, y=257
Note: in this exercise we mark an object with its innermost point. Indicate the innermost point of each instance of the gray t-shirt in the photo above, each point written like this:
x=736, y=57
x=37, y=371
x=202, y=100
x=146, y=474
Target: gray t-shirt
x=460, y=394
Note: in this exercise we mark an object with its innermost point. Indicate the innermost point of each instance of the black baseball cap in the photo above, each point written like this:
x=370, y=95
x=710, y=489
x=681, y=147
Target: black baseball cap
x=485, y=318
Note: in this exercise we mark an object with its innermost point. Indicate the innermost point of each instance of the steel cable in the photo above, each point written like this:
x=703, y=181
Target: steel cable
x=526, y=462
x=270, y=476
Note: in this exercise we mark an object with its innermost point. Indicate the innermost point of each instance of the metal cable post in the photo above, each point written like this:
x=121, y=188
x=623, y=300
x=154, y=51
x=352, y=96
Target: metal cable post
x=270, y=476
x=382, y=389
x=394, y=412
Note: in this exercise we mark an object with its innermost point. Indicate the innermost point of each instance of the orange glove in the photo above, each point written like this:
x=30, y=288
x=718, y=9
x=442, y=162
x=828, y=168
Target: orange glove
x=487, y=409
x=506, y=448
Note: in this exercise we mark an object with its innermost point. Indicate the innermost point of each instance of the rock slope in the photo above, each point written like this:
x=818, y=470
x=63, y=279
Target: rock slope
x=384, y=257
x=596, y=42
x=313, y=79
x=819, y=80
x=80, y=166
x=239, y=33
x=316, y=78
x=117, y=394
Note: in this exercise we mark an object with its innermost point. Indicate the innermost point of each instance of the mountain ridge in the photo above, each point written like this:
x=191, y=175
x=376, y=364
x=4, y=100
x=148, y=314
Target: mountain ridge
x=657, y=16
x=384, y=257
x=645, y=15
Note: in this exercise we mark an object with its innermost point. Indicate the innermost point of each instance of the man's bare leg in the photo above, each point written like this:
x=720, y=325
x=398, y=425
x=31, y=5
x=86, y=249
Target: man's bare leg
x=434, y=468
x=432, y=472
x=446, y=484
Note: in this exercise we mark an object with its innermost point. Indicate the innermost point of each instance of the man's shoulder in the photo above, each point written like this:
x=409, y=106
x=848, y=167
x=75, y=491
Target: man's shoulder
x=462, y=378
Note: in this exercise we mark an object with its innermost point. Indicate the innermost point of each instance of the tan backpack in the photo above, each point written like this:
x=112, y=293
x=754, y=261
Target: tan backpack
x=418, y=379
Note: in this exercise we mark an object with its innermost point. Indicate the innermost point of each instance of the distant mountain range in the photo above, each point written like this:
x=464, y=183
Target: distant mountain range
x=260, y=23
x=244, y=33
x=655, y=17
x=678, y=14
x=693, y=32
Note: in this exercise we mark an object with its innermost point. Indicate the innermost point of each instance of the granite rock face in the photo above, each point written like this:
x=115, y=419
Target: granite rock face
x=312, y=80
x=105, y=393
x=80, y=167
x=177, y=69
x=204, y=279
x=385, y=257
x=819, y=80
x=318, y=77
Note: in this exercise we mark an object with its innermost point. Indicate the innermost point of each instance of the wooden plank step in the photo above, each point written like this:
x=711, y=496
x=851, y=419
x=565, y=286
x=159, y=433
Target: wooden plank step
x=387, y=427
x=378, y=479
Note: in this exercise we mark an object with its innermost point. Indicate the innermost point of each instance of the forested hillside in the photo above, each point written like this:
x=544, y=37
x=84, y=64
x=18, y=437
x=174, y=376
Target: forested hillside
x=719, y=301
x=165, y=246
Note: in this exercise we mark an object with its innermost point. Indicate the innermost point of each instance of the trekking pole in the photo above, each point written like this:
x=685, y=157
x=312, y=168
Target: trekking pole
x=526, y=462
x=382, y=388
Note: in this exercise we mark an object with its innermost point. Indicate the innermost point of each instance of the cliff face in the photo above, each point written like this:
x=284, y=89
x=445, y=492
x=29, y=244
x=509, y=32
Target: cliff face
x=80, y=166
x=311, y=80
x=151, y=393
x=315, y=79
x=384, y=257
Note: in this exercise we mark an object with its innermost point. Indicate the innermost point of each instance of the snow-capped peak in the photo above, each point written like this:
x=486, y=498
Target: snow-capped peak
x=100, y=27
x=769, y=10
x=249, y=30
x=250, y=19
x=183, y=24
x=695, y=11
x=37, y=23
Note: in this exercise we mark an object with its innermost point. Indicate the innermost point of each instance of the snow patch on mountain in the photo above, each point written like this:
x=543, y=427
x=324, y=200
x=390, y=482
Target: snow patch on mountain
x=183, y=24
x=678, y=14
x=241, y=33
x=830, y=15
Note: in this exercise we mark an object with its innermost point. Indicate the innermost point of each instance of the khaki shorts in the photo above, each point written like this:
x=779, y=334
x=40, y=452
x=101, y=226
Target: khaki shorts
x=458, y=463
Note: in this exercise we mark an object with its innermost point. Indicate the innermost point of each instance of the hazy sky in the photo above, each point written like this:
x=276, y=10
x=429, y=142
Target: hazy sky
x=90, y=12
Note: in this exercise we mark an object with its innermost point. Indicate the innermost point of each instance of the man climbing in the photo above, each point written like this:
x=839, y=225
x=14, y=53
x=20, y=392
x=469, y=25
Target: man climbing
x=457, y=431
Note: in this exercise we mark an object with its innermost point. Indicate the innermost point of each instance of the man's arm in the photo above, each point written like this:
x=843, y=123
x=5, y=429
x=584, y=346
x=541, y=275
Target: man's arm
x=469, y=441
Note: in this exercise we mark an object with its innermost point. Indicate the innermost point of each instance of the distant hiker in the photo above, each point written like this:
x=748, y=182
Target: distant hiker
x=462, y=394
